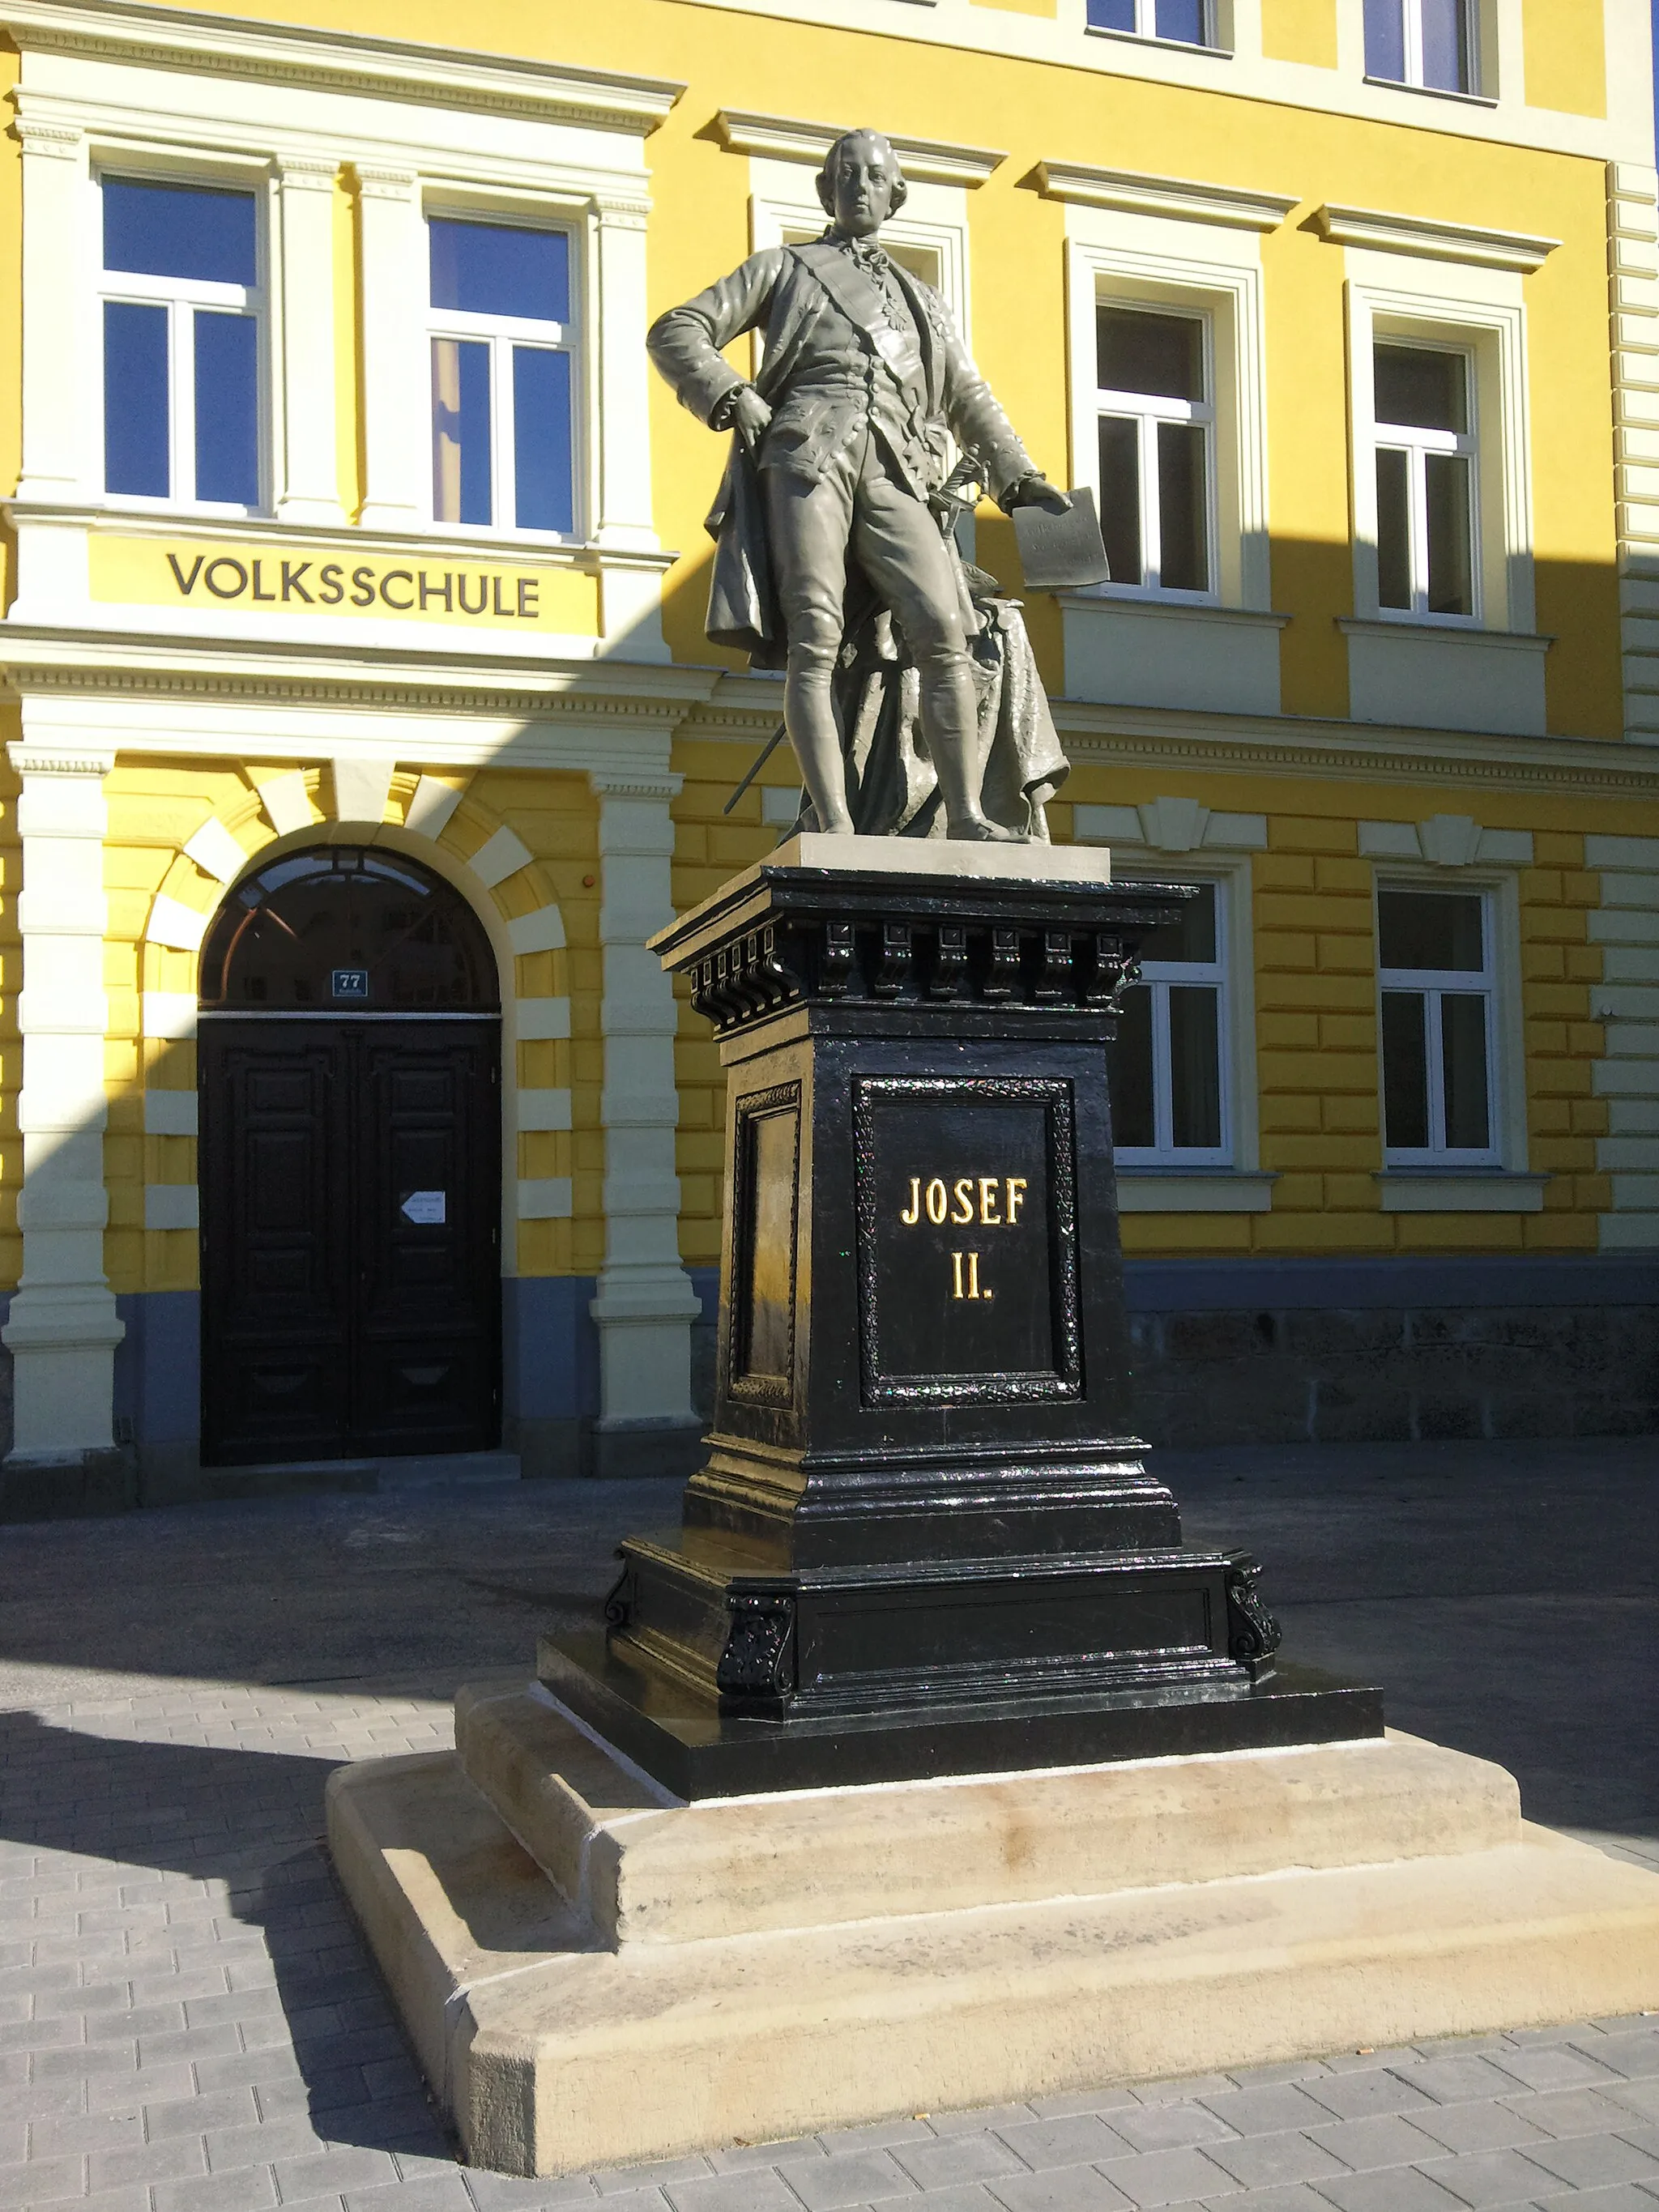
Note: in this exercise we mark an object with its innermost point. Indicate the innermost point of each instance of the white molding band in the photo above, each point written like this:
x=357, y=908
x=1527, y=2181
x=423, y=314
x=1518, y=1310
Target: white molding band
x=785, y=138
x=1183, y=1190
x=1135, y=193
x=1450, y=1190
x=1518, y=250
x=340, y=61
x=63, y=1329
x=1171, y=825
x=1446, y=841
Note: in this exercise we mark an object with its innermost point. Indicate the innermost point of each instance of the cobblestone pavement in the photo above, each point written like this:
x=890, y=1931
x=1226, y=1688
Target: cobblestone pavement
x=188, y=2018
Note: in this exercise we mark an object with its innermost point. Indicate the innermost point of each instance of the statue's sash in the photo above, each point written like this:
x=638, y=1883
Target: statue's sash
x=861, y=302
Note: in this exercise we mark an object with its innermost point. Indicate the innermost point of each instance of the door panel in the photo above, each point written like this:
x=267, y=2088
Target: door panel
x=351, y=1209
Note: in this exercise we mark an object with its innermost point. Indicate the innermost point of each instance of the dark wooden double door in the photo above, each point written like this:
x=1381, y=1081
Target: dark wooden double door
x=350, y=1177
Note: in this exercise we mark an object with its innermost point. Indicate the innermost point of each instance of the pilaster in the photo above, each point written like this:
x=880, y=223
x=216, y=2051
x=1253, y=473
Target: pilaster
x=396, y=445
x=63, y=1329
x=309, y=490
x=646, y=1304
x=59, y=337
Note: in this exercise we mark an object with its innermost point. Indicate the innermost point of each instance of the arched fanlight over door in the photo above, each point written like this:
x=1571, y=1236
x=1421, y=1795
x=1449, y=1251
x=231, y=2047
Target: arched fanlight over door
x=344, y=929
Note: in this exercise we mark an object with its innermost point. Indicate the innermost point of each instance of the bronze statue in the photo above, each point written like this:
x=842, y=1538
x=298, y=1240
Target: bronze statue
x=911, y=697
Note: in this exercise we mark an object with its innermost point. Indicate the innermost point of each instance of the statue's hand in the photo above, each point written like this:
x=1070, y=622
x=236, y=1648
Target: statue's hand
x=1037, y=491
x=748, y=414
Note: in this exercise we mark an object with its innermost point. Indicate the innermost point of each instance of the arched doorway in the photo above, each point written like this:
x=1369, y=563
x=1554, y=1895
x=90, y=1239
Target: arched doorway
x=349, y=1094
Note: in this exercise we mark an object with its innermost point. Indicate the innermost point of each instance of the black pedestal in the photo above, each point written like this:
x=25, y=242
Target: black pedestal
x=924, y=1541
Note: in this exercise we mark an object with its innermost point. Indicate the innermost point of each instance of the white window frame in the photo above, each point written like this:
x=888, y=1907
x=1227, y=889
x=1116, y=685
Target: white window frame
x=1456, y=307
x=182, y=296
x=1417, y=444
x=501, y=333
x=1433, y=984
x=1157, y=976
x=1412, y=14
x=1159, y=270
x=1146, y=410
x=1145, y=13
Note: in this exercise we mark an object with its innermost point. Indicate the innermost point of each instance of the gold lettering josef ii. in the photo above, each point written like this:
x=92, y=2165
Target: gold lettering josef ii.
x=993, y=1201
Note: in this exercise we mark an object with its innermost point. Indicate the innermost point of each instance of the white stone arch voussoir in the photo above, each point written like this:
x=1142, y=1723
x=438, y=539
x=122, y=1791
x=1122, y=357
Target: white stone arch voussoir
x=358, y=788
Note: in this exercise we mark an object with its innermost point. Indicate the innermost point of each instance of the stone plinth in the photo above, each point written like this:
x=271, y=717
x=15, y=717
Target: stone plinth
x=593, y=1973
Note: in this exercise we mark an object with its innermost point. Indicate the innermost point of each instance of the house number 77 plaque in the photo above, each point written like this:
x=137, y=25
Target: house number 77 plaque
x=925, y=1539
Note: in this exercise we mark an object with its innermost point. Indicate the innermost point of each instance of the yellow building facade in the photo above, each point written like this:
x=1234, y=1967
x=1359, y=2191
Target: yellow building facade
x=355, y=580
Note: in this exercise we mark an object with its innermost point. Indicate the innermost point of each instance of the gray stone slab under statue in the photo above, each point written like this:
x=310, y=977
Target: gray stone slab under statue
x=923, y=1765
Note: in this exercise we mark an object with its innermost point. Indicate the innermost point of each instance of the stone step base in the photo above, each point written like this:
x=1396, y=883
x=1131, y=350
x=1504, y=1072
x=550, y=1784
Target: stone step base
x=554, y=2053
x=645, y=1868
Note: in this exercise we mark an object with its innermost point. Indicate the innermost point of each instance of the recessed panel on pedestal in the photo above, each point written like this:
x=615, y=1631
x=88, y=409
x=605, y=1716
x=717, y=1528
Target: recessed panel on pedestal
x=967, y=1228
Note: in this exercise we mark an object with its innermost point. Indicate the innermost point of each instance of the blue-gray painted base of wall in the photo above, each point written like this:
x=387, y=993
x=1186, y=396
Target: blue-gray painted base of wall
x=1226, y=1352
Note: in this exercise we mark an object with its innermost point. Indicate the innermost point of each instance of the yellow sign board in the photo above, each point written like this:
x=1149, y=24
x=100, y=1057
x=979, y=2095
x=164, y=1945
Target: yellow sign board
x=312, y=579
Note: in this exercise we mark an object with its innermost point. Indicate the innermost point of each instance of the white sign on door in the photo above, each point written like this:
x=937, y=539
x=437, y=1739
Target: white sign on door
x=426, y=1208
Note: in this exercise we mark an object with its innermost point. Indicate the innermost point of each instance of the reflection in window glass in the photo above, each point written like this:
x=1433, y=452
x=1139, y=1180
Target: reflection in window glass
x=1438, y=1016
x=1445, y=35
x=179, y=230
x=1165, y=1069
x=1195, y=1067
x=1385, y=40
x=1426, y=456
x=1120, y=497
x=1428, y=43
x=1156, y=428
x=135, y=457
x=500, y=268
x=461, y=469
x=228, y=407
x=541, y=421
x=1191, y=21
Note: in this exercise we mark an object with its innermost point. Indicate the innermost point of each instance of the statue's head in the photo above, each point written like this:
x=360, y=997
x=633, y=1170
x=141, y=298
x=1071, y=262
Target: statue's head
x=860, y=183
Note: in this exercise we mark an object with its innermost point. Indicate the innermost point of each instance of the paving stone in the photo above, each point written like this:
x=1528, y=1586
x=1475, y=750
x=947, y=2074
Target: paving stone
x=877, y=2135
x=1460, y=2079
x=1169, y=2177
x=1635, y=2055
x=1576, y=2111
x=1057, y=2189
x=503, y=2192
x=1490, y=2177
x=1621, y=2198
x=950, y=2160
x=1357, y=2096
x=1479, y=2127
x=1267, y=2108
x=334, y=2170
x=1385, y=2139
x=1641, y=2097
x=860, y=2177
x=1397, y=2189
x=1546, y=2067
x=1273, y=2161
x=1594, y=2161
x=977, y=2119
x=615, y=2180
x=39, y=2180
x=1080, y=2140
x=1073, y=2101
x=431, y=2193
x=758, y=2190
x=1169, y=2126
x=251, y=2188
x=152, y=2161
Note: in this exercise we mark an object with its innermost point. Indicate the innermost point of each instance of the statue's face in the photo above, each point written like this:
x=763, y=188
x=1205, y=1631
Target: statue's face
x=864, y=180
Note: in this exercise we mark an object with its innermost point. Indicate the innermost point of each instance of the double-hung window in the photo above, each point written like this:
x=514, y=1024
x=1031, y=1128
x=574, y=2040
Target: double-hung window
x=1155, y=405
x=1426, y=43
x=1166, y=1069
x=1425, y=480
x=502, y=337
x=183, y=307
x=1439, y=1027
x=1187, y=22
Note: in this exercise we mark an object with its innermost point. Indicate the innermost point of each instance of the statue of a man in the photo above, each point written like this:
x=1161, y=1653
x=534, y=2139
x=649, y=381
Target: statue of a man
x=842, y=444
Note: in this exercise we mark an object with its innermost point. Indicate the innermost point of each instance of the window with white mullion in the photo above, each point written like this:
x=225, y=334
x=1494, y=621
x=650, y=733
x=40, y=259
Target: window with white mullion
x=1428, y=44
x=1426, y=460
x=1439, y=1021
x=1182, y=23
x=182, y=303
x=1157, y=431
x=1168, y=1063
x=501, y=339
